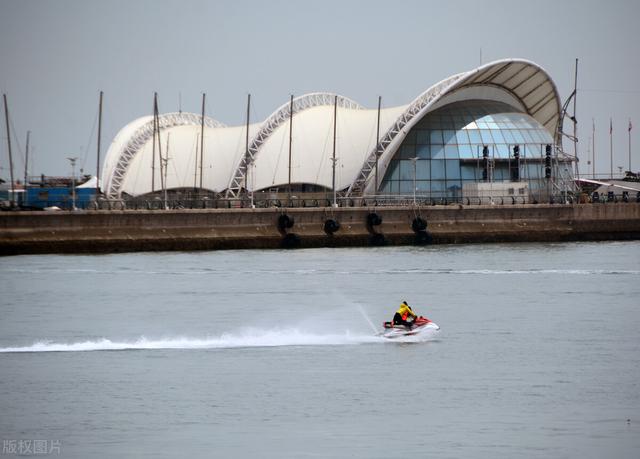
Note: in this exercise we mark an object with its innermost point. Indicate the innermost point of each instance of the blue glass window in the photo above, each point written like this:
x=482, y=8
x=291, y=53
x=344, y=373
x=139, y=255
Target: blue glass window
x=407, y=151
x=452, y=169
x=534, y=151
x=437, y=169
x=410, y=138
x=423, y=170
x=450, y=137
x=508, y=136
x=406, y=187
x=422, y=151
x=406, y=170
x=527, y=136
x=393, y=173
x=497, y=136
x=502, y=151
x=468, y=172
x=486, y=136
x=535, y=134
x=466, y=151
x=422, y=186
x=518, y=137
x=458, y=131
x=451, y=152
x=437, y=152
x=436, y=137
x=533, y=171
x=454, y=187
x=422, y=137
x=462, y=137
x=438, y=186
x=474, y=136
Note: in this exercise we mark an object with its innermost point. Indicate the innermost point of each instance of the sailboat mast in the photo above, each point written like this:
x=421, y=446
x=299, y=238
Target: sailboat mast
x=99, y=137
x=593, y=148
x=290, y=141
x=157, y=117
x=6, y=116
x=153, y=147
x=377, y=143
x=246, y=148
x=26, y=168
x=202, y=139
x=575, y=121
x=333, y=158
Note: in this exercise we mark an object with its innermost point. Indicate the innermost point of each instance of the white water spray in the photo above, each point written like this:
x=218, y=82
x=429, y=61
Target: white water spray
x=248, y=339
x=366, y=317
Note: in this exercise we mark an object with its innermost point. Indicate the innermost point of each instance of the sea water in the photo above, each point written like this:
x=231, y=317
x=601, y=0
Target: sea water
x=277, y=353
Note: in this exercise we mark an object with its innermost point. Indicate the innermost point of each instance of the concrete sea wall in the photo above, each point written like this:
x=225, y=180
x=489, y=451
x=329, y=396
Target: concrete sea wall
x=211, y=229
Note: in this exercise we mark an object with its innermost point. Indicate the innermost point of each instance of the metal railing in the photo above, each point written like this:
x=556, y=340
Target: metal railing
x=156, y=204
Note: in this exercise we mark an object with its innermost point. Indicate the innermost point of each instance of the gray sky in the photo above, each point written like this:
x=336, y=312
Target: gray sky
x=55, y=57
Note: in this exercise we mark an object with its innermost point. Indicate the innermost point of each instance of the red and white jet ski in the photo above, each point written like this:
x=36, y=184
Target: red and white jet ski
x=421, y=324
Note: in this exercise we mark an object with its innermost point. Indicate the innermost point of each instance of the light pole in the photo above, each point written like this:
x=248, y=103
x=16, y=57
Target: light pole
x=165, y=163
x=335, y=193
x=253, y=182
x=73, y=182
x=414, y=161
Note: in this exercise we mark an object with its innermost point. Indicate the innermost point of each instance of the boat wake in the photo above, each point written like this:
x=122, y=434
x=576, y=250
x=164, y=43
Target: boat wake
x=248, y=339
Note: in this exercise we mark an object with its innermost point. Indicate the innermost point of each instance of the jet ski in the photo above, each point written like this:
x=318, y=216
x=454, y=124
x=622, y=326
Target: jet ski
x=419, y=325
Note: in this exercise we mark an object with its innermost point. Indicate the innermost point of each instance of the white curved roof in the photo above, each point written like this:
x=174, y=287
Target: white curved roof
x=128, y=163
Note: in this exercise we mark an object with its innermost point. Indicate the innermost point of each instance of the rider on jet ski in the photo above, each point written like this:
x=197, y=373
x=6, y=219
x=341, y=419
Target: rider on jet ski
x=402, y=315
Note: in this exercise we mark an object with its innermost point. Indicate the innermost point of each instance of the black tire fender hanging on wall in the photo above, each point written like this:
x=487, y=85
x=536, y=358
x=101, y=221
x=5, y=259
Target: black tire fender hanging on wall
x=331, y=226
x=285, y=222
x=418, y=224
x=290, y=241
x=423, y=238
x=373, y=219
x=377, y=239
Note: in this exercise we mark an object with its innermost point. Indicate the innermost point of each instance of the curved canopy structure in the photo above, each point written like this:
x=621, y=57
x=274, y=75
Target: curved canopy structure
x=280, y=116
x=517, y=82
x=228, y=165
x=131, y=139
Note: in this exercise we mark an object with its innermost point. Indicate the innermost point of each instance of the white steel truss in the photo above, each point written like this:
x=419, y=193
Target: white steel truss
x=141, y=136
x=279, y=117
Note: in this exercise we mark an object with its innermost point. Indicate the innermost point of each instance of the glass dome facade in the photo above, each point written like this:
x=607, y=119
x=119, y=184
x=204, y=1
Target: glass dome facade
x=444, y=151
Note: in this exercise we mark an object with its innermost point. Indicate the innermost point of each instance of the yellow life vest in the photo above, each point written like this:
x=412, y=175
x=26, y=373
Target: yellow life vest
x=405, y=311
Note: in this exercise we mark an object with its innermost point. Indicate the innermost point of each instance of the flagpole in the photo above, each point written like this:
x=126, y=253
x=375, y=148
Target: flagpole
x=611, y=145
x=630, y=127
x=593, y=146
x=575, y=122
